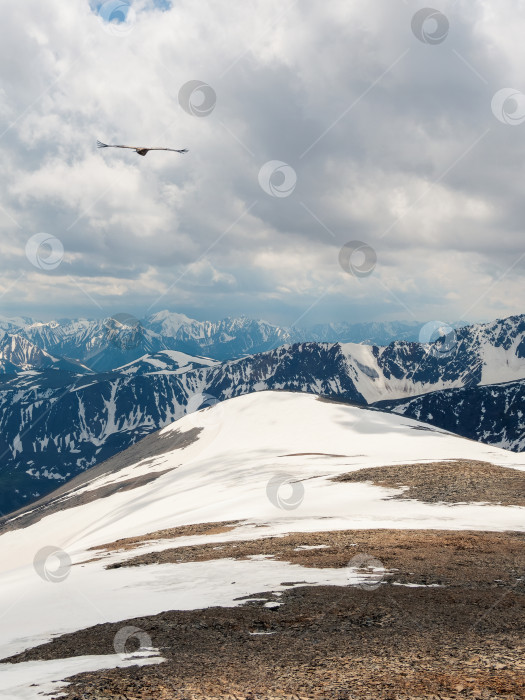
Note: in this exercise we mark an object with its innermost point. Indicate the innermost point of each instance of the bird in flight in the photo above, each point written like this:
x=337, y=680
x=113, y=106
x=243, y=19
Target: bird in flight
x=141, y=150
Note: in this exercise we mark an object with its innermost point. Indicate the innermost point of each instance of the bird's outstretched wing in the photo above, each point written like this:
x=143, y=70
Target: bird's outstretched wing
x=106, y=145
x=175, y=150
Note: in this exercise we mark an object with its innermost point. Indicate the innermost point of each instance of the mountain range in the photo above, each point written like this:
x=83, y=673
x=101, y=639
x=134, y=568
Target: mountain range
x=494, y=413
x=57, y=419
x=108, y=343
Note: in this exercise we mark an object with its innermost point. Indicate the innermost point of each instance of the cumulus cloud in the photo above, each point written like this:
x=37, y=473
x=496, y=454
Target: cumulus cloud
x=384, y=138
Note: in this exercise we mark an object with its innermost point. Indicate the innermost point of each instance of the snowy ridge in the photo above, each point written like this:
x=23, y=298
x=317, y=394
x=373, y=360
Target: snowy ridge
x=223, y=474
x=166, y=361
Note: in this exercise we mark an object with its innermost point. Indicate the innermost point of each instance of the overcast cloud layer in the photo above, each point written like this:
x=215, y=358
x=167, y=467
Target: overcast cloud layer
x=391, y=139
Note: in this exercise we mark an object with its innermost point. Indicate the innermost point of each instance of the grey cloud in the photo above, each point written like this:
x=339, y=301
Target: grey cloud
x=398, y=166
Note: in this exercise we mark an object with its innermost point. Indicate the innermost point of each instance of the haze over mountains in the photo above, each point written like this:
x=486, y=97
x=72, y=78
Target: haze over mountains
x=58, y=418
x=91, y=341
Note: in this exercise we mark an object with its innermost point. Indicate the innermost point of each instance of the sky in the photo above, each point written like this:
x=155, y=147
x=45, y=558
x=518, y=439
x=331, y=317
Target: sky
x=347, y=161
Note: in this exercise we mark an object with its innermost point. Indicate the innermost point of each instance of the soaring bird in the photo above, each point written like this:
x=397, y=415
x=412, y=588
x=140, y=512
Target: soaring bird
x=142, y=150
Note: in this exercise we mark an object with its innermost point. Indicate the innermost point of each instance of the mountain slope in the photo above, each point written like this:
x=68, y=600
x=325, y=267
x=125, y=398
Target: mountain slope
x=222, y=340
x=263, y=433
x=245, y=474
x=17, y=355
x=102, y=344
x=54, y=425
x=166, y=361
x=494, y=414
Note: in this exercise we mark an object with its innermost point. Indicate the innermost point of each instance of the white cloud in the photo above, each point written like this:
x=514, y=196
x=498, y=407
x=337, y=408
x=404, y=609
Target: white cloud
x=393, y=143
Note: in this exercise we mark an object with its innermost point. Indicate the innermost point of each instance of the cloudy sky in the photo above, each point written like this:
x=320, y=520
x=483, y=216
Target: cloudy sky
x=384, y=129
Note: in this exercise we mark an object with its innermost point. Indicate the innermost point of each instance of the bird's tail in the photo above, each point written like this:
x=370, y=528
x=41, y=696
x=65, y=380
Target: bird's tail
x=102, y=145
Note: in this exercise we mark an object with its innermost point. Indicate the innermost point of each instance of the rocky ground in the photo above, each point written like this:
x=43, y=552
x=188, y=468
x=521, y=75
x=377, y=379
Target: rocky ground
x=455, y=481
x=170, y=533
x=424, y=557
x=458, y=634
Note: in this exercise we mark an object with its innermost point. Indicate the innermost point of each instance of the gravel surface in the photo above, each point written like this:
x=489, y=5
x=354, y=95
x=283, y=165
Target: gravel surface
x=170, y=533
x=424, y=557
x=461, y=639
x=457, y=481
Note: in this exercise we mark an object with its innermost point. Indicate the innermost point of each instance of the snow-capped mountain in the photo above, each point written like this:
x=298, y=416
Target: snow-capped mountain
x=493, y=413
x=165, y=362
x=108, y=343
x=14, y=323
x=480, y=355
x=222, y=340
x=52, y=428
x=101, y=345
x=17, y=354
x=236, y=337
x=54, y=425
x=191, y=499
